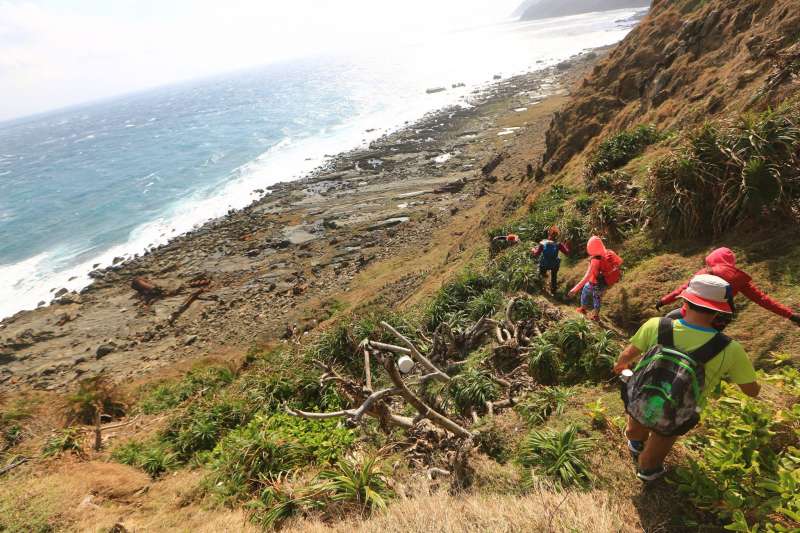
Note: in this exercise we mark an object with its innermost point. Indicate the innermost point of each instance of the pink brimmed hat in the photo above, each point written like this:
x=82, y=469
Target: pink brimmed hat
x=708, y=291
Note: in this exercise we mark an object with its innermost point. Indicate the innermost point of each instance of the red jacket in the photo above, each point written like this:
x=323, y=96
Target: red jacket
x=722, y=262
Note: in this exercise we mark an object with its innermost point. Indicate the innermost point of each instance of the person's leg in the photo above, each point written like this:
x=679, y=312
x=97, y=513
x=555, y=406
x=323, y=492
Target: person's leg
x=597, y=301
x=635, y=431
x=553, y=281
x=586, y=298
x=655, y=451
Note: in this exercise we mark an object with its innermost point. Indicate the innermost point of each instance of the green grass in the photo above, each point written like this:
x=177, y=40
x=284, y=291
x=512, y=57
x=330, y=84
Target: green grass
x=616, y=151
x=167, y=395
x=66, y=440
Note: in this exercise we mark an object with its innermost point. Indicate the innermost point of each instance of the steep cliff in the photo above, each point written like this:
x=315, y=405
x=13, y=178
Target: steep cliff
x=687, y=61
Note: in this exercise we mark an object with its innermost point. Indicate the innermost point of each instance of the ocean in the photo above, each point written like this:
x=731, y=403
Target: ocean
x=82, y=186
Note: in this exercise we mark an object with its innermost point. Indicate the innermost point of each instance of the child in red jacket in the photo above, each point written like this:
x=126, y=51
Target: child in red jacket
x=603, y=272
x=722, y=262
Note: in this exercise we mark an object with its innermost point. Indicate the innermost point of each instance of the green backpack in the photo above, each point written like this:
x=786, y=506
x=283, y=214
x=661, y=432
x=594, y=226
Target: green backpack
x=664, y=392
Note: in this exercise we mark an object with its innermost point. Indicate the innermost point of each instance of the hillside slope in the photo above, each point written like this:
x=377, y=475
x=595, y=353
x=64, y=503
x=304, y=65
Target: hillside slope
x=686, y=62
x=511, y=419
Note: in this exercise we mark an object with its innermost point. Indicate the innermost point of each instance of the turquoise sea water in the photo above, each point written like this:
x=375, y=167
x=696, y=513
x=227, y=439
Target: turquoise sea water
x=81, y=186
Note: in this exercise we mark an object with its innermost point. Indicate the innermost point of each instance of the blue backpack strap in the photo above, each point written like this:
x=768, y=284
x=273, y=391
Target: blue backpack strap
x=665, y=336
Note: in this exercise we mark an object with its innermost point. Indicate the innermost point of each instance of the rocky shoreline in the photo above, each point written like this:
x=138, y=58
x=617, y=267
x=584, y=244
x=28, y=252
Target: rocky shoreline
x=275, y=268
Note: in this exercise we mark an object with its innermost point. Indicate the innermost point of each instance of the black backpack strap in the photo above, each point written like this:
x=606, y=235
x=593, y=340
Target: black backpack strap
x=665, y=337
x=711, y=349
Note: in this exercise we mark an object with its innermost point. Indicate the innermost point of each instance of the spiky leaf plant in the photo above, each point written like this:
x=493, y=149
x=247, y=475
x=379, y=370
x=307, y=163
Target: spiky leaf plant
x=559, y=455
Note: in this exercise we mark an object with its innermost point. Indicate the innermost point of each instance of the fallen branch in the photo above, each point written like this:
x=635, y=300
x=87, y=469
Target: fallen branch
x=416, y=355
x=185, y=305
x=424, y=410
x=8, y=468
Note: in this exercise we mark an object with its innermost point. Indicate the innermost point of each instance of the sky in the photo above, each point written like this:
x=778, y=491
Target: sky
x=56, y=53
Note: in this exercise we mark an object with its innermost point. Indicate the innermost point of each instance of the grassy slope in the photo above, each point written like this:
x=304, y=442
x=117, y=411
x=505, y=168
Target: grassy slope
x=50, y=496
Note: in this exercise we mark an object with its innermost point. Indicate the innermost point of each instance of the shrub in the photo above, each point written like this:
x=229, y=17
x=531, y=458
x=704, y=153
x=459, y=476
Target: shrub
x=616, y=151
x=472, y=389
x=542, y=213
x=537, y=407
x=167, y=395
x=573, y=336
x=727, y=175
x=486, y=303
x=741, y=469
x=544, y=361
x=154, y=457
x=66, y=440
x=359, y=483
x=525, y=309
x=452, y=299
x=279, y=500
x=271, y=445
x=93, y=393
x=517, y=271
x=204, y=423
x=559, y=455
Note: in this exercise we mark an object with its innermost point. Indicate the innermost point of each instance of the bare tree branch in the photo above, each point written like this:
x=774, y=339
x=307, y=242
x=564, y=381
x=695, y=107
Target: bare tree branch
x=416, y=355
x=422, y=408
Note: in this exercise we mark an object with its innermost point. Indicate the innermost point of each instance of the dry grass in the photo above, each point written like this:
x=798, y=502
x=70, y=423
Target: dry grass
x=546, y=511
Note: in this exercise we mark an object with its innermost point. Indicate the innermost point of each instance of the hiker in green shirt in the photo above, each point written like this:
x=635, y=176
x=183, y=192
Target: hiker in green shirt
x=662, y=396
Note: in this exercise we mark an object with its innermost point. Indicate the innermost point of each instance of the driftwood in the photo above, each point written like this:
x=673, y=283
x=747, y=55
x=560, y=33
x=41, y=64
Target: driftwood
x=452, y=187
x=185, y=305
x=148, y=290
x=489, y=167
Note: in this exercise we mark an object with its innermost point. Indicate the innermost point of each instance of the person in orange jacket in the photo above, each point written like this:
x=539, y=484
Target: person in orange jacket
x=722, y=263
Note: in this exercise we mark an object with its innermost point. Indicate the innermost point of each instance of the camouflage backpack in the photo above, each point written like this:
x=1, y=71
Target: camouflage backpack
x=664, y=392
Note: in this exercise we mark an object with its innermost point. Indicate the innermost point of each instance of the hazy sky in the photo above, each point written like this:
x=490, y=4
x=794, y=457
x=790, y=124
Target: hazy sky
x=55, y=53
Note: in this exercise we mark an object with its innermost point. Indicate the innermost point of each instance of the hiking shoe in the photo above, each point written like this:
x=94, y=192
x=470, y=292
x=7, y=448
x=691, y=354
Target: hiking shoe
x=636, y=447
x=652, y=474
x=581, y=310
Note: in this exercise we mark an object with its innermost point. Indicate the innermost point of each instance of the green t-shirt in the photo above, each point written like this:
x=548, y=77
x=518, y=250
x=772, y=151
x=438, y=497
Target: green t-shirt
x=732, y=363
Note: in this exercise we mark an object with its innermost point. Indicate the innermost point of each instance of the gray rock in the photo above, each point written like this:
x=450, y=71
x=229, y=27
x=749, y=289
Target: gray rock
x=388, y=223
x=190, y=340
x=61, y=292
x=103, y=350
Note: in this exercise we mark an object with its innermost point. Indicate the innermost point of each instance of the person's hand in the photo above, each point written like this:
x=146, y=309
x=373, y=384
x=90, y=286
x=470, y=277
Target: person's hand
x=659, y=305
x=619, y=367
x=572, y=293
x=795, y=318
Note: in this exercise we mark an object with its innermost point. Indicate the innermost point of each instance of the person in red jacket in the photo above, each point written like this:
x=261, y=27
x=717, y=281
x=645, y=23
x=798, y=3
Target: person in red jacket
x=722, y=262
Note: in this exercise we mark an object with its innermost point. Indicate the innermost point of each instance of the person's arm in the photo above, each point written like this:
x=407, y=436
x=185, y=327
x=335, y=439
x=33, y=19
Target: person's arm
x=537, y=251
x=671, y=297
x=564, y=247
x=626, y=359
x=756, y=295
x=583, y=281
x=741, y=371
x=751, y=389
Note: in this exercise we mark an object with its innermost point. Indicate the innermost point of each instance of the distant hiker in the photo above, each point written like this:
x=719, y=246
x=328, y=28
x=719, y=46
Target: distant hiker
x=683, y=360
x=605, y=269
x=722, y=262
x=511, y=239
x=549, y=261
